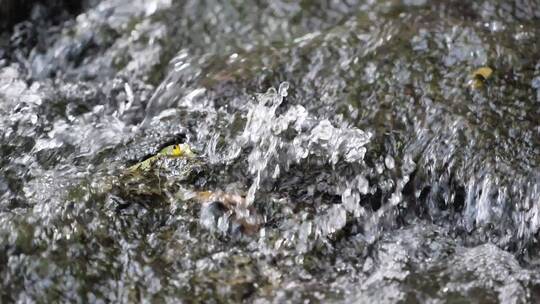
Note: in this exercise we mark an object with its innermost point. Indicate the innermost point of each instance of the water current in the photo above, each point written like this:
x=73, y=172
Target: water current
x=346, y=149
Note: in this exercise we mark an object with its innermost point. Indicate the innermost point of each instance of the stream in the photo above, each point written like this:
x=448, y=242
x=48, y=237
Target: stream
x=370, y=162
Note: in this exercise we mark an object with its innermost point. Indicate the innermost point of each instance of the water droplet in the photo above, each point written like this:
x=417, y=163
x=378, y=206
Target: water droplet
x=389, y=162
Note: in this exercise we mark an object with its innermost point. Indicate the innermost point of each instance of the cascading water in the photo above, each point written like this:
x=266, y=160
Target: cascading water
x=370, y=171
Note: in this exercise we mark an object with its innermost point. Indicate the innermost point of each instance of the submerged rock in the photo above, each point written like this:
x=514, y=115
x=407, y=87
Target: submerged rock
x=369, y=170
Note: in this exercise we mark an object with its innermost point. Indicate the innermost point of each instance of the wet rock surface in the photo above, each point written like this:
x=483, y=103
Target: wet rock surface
x=349, y=128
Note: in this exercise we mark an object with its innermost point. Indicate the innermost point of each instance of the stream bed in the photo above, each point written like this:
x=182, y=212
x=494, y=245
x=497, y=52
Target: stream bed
x=366, y=161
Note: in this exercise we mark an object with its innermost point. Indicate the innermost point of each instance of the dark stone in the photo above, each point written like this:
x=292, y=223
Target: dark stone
x=13, y=11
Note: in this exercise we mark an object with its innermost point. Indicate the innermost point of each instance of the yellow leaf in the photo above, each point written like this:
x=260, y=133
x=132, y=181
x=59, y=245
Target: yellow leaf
x=479, y=76
x=484, y=72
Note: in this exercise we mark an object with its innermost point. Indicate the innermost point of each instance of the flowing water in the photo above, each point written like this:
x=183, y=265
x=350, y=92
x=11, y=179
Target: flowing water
x=368, y=166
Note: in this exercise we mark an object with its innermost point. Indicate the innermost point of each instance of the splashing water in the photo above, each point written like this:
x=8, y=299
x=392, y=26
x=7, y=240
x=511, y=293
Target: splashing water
x=375, y=174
